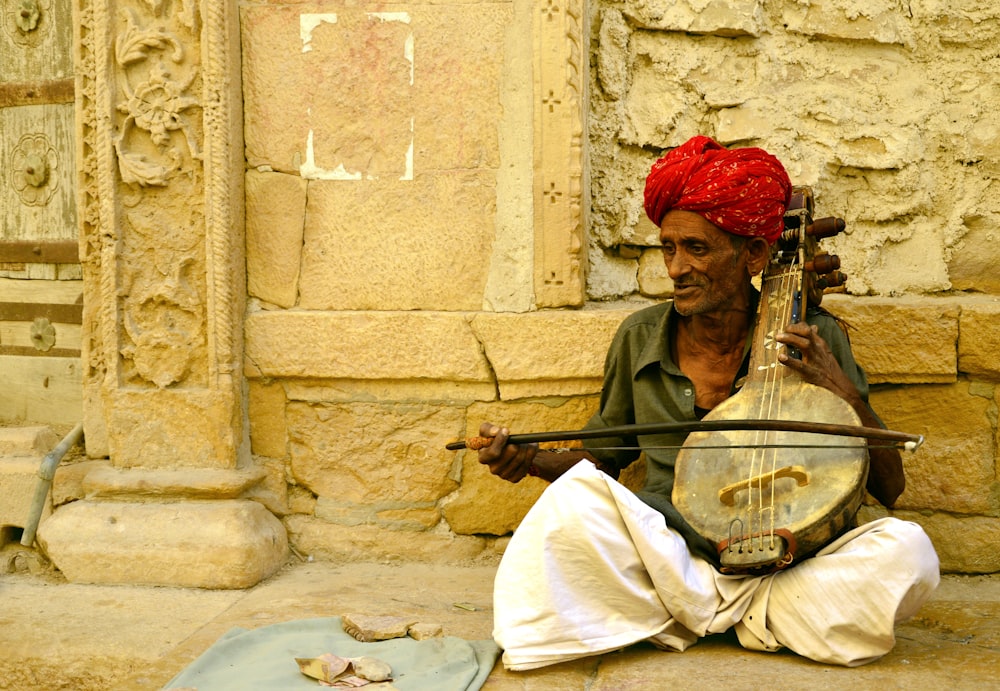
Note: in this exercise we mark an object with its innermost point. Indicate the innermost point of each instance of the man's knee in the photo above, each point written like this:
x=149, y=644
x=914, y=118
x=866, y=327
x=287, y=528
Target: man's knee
x=907, y=546
x=910, y=555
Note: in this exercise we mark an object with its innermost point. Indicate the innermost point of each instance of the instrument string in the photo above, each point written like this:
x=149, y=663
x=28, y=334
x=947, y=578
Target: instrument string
x=753, y=509
x=791, y=291
x=754, y=522
x=754, y=497
x=781, y=305
x=773, y=390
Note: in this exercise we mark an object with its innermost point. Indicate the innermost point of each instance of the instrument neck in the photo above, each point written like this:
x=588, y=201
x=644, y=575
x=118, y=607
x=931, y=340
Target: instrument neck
x=782, y=301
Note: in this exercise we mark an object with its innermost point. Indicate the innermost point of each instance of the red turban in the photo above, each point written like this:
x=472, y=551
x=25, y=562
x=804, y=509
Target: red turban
x=743, y=191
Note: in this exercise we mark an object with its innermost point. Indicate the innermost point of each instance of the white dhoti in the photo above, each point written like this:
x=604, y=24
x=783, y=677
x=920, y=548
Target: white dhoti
x=592, y=569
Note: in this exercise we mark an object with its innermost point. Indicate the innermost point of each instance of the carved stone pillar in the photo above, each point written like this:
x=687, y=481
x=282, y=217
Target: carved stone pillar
x=159, y=118
x=560, y=192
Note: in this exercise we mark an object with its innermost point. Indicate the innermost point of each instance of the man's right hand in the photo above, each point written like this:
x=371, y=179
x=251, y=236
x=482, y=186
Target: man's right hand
x=508, y=461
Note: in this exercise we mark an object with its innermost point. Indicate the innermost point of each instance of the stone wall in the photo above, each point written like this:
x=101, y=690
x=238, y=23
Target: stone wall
x=434, y=208
x=879, y=106
x=405, y=283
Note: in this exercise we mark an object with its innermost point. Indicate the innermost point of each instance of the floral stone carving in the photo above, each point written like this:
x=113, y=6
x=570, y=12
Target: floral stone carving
x=31, y=168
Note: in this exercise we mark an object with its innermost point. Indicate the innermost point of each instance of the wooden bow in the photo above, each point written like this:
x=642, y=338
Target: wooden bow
x=910, y=442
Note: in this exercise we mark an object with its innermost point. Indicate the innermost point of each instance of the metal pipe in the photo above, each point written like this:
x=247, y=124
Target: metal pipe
x=46, y=473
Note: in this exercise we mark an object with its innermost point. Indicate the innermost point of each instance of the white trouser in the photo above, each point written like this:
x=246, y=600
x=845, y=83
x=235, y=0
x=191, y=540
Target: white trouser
x=592, y=569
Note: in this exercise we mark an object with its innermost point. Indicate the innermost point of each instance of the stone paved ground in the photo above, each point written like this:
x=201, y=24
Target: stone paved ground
x=58, y=635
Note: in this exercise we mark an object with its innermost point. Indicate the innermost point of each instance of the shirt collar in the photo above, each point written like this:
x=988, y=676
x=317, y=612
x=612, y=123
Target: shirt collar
x=657, y=349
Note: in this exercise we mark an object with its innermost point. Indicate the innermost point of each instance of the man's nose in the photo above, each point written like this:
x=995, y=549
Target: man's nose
x=677, y=264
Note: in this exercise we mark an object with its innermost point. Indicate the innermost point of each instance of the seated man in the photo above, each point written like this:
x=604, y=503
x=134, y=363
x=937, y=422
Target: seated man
x=594, y=567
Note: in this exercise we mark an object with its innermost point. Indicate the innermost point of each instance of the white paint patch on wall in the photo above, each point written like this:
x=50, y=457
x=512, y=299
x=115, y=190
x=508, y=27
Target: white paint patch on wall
x=404, y=18
x=309, y=22
x=310, y=171
x=408, y=173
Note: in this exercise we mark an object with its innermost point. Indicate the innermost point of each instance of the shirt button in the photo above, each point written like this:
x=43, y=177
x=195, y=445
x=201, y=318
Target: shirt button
x=687, y=392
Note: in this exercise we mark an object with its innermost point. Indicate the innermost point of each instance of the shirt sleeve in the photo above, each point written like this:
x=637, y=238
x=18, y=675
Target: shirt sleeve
x=616, y=408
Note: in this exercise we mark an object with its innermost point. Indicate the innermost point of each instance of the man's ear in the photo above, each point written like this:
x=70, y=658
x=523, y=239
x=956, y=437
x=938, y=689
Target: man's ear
x=758, y=253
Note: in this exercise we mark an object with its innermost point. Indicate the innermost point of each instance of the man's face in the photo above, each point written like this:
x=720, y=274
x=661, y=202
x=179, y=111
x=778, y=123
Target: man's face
x=709, y=273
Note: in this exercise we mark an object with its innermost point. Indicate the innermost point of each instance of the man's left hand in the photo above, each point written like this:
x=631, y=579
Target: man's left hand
x=817, y=364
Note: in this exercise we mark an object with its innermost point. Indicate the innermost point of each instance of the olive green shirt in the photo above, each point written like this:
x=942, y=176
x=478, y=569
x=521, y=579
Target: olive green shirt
x=643, y=384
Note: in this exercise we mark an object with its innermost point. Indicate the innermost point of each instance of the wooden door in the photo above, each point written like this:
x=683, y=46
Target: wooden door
x=41, y=289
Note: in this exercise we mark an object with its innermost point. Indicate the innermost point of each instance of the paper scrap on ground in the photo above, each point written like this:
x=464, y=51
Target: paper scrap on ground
x=351, y=672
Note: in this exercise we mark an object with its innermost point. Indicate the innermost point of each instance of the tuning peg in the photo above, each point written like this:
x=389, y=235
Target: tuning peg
x=823, y=263
x=825, y=227
x=832, y=280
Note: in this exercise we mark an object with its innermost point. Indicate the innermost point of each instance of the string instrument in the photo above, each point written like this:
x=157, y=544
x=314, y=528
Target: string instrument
x=778, y=470
x=762, y=503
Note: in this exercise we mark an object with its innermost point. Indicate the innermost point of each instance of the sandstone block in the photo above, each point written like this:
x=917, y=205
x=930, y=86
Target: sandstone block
x=365, y=345
x=718, y=73
x=954, y=470
x=612, y=56
x=901, y=340
x=275, y=213
x=907, y=266
x=874, y=203
x=879, y=21
x=266, y=413
x=27, y=441
x=410, y=518
x=962, y=23
x=296, y=80
x=541, y=349
x=487, y=505
x=68, y=483
x=661, y=101
x=734, y=18
x=210, y=544
x=373, y=454
x=301, y=500
x=273, y=490
x=369, y=627
x=654, y=281
x=979, y=339
x=422, y=631
x=18, y=481
x=172, y=428
x=879, y=147
x=329, y=542
x=188, y=483
x=610, y=277
x=389, y=390
x=744, y=122
x=399, y=245
x=315, y=102
x=343, y=513
x=644, y=234
x=461, y=52
x=972, y=266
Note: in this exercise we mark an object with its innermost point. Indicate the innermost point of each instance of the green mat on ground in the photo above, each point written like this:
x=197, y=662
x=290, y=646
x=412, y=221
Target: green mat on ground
x=264, y=659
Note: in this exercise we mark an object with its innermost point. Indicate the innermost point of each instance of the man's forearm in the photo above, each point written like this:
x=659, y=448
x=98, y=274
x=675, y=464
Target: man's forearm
x=550, y=464
x=885, y=474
